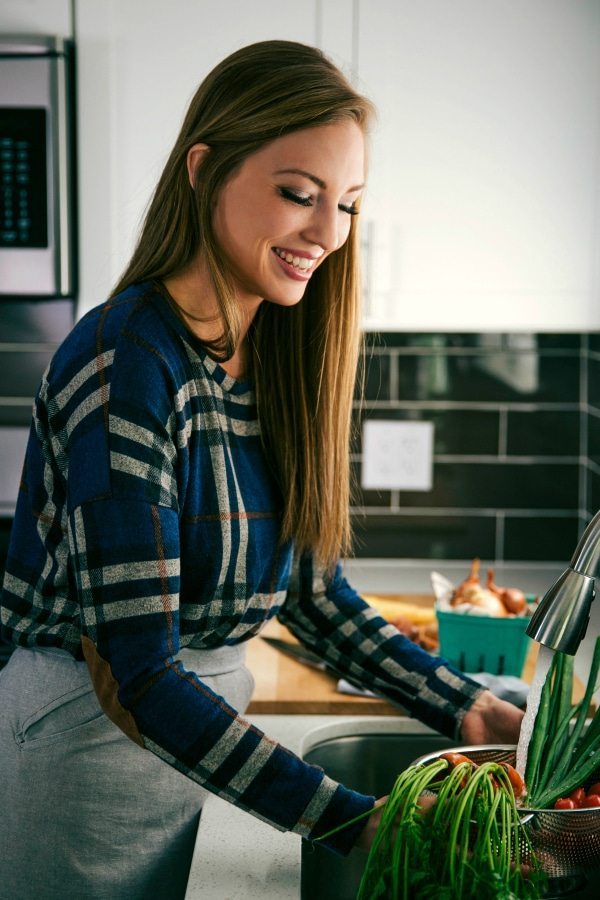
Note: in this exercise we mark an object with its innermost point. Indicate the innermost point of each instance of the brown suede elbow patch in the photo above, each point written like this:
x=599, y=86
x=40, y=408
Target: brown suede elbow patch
x=106, y=689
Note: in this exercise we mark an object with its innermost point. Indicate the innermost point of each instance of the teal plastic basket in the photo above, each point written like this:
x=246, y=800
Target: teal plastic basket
x=484, y=643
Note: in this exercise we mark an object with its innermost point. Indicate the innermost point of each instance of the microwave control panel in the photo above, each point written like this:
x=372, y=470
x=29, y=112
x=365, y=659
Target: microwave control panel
x=23, y=182
x=37, y=181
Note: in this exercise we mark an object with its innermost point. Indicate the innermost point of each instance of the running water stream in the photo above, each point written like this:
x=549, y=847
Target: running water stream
x=544, y=661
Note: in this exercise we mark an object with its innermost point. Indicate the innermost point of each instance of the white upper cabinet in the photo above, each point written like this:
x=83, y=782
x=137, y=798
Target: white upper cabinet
x=483, y=205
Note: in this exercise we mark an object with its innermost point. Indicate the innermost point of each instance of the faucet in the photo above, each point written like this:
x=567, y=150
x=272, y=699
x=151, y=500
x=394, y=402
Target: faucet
x=561, y=618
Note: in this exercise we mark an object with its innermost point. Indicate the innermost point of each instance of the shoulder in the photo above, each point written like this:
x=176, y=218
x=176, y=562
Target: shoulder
x=128, y=332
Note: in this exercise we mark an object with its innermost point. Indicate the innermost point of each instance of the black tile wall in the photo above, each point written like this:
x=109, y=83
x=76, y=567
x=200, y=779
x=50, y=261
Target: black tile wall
x=543, y=432
x=593, y=491
x=547, y=538
x=516, y=423
x=516, y=420
x=425, y=537
x=594, y=378
x=592, y=422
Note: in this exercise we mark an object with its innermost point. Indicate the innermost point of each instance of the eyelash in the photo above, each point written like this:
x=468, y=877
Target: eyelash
x=306, y=201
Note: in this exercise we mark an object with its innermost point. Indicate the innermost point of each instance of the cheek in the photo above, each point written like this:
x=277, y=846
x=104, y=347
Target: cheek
x=344, y=232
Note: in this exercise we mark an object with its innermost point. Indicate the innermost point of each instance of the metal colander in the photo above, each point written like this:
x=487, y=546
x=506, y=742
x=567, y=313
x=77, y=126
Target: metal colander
x=566, y=841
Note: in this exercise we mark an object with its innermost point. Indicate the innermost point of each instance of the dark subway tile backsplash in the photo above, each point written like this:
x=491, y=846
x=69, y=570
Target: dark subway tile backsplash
x=502, y=485
x=425, y=537
x=594, y=380
x=593, y=425
x=543, y=432
x=516, y=450
x=549, y=538
x=376, y=384
x=492, y=377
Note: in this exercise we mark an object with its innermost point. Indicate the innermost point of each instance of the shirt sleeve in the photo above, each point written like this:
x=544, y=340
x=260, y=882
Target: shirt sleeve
x=328, y=616
x=125, y=555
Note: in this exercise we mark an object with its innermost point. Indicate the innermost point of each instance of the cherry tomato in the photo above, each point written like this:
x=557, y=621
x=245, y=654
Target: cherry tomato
x=565, y=803
x=591, y=801
x=578, y=796
x=594, y=788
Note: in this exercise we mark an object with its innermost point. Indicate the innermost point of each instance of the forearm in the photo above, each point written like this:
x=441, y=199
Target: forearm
x=359, y=644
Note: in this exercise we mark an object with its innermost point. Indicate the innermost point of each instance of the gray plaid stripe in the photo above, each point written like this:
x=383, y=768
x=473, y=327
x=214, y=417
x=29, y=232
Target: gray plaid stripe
x=316, y=807
x=97, y=364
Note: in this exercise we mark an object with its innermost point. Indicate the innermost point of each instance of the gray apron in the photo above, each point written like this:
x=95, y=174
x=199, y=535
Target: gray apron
x=86, y=814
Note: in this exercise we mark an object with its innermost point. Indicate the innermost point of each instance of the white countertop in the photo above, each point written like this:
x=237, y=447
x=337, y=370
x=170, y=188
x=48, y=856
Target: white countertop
x=237, y=856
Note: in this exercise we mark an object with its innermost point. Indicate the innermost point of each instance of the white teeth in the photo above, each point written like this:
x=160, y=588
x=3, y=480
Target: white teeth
x=299, y=262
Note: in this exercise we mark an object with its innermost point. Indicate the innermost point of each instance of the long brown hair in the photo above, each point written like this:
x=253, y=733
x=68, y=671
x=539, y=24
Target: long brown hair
x=304, y=358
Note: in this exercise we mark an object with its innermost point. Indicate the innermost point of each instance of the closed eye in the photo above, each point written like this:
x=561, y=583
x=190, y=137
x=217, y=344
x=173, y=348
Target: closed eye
x=306, y=200
x=300, y=199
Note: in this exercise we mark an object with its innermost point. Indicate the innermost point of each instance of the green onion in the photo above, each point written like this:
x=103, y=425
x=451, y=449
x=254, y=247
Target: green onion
x=469, y=845
x=565, y=753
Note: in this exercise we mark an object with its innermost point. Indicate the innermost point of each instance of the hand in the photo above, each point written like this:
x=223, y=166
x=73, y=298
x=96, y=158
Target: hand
x=365, y=838
x=491, y=721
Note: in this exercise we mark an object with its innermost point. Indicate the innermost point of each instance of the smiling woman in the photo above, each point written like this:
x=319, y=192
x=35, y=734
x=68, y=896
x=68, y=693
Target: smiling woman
x=187, y=479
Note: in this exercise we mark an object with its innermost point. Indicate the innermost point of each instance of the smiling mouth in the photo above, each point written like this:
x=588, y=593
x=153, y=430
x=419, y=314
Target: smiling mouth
x=303, y=264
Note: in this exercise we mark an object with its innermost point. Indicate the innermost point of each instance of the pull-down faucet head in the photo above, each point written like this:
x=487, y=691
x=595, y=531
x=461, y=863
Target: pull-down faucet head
x=561, y=618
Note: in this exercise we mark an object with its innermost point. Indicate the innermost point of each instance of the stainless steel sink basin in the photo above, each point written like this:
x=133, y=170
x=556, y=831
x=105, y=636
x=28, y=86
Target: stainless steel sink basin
x=366, y=755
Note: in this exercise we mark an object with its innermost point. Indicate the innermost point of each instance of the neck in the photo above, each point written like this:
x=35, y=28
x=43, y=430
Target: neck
x=193, y=295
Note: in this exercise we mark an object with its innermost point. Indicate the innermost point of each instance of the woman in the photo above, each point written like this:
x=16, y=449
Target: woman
x=186, y=480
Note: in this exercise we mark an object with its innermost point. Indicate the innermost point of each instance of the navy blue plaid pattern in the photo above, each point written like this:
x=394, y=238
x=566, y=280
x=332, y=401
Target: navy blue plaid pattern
x=147, y=521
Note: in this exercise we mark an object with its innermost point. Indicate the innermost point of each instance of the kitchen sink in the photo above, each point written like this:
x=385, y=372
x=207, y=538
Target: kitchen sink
x=366, y=755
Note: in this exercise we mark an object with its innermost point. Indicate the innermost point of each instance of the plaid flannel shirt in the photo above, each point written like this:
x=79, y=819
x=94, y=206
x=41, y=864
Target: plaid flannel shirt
x=147, y=521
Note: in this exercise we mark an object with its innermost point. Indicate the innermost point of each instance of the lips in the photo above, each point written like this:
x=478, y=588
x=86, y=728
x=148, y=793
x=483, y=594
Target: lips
x=298, y=261
x=295, y=266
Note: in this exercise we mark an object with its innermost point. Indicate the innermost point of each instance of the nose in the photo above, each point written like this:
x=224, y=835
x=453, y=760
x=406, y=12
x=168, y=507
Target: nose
x=327, y=228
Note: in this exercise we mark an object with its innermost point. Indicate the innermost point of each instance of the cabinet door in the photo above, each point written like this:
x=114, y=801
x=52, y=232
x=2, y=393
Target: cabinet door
x=483, y=201
x=139, y=64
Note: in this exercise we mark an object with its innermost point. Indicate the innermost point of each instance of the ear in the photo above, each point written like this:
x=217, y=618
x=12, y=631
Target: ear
x=195, y=156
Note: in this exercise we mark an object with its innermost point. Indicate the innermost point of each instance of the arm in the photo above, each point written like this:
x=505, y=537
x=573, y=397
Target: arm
x=327, y=615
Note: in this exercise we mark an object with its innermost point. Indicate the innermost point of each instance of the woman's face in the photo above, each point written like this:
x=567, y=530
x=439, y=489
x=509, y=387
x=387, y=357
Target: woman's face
x=287, y=207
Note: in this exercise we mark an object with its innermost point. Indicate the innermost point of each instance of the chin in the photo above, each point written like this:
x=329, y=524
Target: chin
x=285, y=301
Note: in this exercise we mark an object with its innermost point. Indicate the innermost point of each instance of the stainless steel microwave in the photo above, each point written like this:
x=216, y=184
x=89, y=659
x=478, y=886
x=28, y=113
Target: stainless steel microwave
x=37, y=159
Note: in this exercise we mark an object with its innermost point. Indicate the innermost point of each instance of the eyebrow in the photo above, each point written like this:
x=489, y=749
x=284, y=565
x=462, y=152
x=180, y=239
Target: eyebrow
x=314, y=178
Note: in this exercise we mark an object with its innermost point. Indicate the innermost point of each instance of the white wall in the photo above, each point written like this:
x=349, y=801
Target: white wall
x=36, y=17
